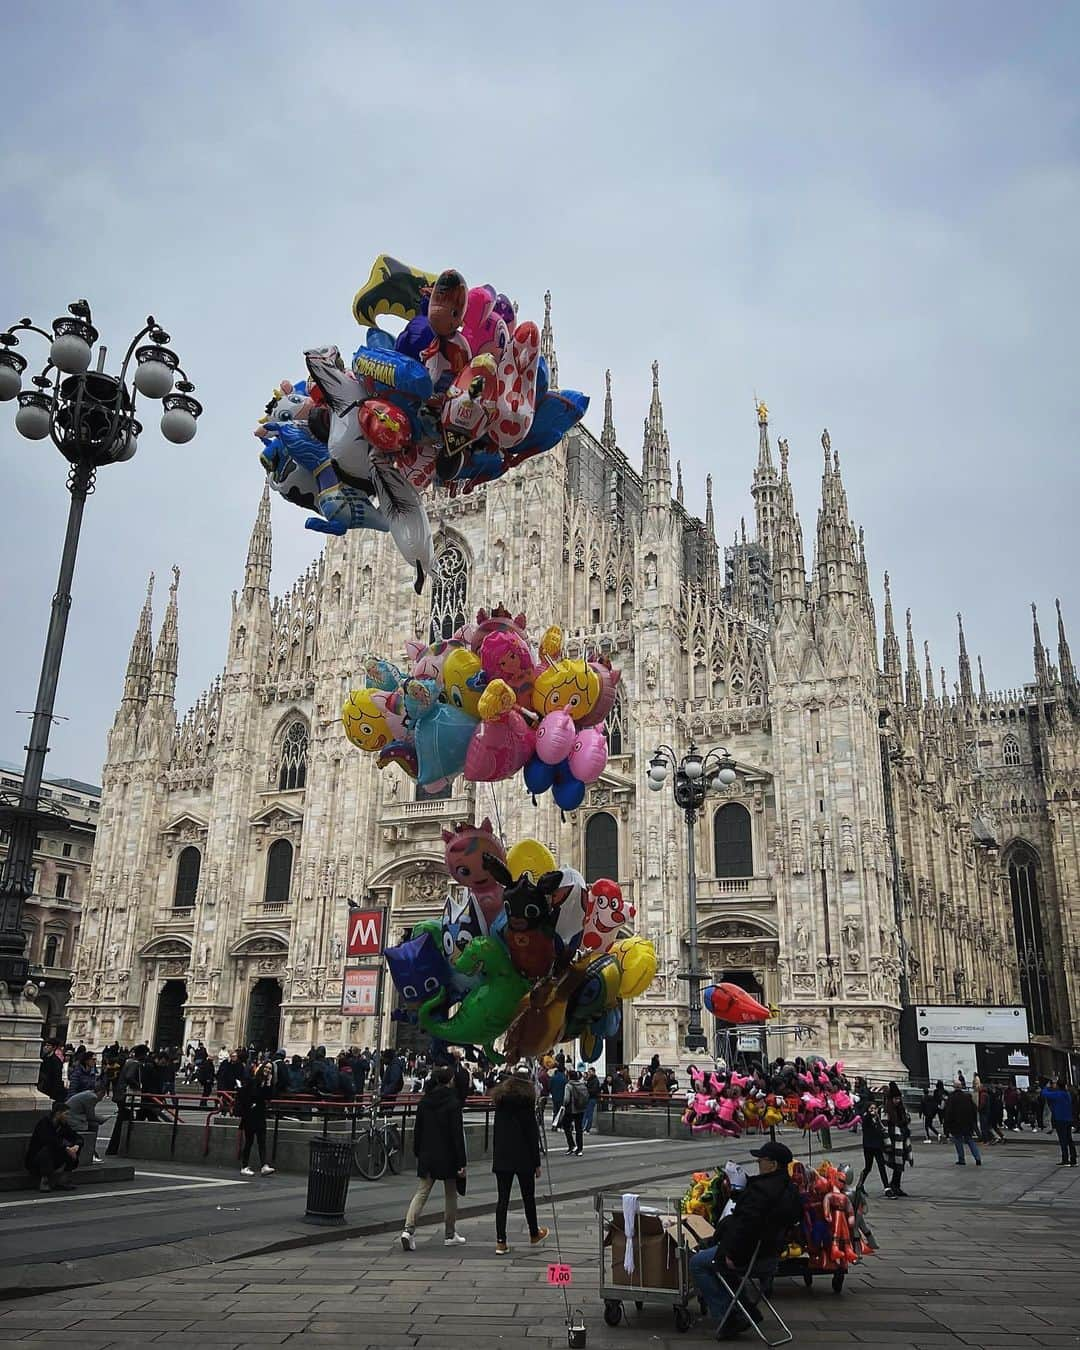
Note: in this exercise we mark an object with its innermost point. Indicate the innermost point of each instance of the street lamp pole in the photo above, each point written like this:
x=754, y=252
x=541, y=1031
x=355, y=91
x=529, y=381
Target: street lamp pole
x=694, y=774
x=90, y=418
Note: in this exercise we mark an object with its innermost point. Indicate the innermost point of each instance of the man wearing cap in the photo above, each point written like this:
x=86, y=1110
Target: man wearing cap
x=763, y=1213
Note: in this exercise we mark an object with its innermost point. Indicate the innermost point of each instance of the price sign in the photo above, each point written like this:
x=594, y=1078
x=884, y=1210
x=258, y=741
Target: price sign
x=561, y=1275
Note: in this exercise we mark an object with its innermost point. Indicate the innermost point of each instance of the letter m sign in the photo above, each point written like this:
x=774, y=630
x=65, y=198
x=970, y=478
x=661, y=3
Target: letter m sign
x=365, y=932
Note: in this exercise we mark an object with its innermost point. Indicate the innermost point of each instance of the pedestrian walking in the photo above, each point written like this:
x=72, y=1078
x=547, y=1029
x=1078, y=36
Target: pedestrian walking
x=898, y=1153
x=515, y=1153
x=574, y=1104
x=593, y=1087
x=252, y=1099
x=928, y=1110
x=439, y=1145
x=961, y=1121
x=558, y=1093
x=51, y=1074
x=1061, y=1114
x=873, y=1145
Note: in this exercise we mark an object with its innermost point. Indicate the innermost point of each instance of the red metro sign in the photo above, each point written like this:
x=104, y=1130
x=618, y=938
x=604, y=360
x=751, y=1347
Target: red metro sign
x=365, y=937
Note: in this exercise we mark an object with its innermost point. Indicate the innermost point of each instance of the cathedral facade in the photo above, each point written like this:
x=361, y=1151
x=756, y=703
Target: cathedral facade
x=886, y=842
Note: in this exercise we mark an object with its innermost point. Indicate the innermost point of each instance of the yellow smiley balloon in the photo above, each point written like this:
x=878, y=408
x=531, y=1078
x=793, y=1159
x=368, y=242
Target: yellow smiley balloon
x=530, y=855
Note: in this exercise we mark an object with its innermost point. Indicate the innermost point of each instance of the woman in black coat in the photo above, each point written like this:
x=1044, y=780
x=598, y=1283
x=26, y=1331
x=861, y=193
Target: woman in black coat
x=873, y=1145
x=515, y=1152
x=251, y=1103
x=898, y=1153
x=439, y=1145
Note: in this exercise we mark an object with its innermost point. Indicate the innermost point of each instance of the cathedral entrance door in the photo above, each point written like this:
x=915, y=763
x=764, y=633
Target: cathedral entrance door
x=264, y=1015
x=169, y=1025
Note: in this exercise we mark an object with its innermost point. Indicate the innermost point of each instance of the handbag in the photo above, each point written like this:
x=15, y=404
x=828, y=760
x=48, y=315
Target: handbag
x=461, y=1181
x=557, y=1119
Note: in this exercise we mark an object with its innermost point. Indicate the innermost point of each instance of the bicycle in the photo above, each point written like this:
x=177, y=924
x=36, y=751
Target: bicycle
x=377, y=1146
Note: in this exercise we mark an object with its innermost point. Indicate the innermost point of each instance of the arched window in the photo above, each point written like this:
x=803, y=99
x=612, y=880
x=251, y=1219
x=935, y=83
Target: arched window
x=1027, y=921
x=449, y=591
x=1010, y=749
x=292, y=765
x=278, y=872
x=733, y=842
x=188, y=866
x=52, y=950
x=618, y=728
x=601, y=847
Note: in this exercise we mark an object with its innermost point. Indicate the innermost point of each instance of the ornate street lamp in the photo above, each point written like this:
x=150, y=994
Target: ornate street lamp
x=90, y=417
x=695, y=774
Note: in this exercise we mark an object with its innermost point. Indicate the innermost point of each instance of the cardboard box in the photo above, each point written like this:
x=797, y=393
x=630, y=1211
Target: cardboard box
x=698, y=1232
x=656, y=1252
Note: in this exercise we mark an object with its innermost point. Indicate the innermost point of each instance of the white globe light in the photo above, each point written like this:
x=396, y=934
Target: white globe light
x=32, y=421
x=70, y=353
x=127, y=451
x=177, y=425
x=693, y=768
x=658, y=772
x=10, y=383
x=656, y=784
x=726, y=776
x=154, y=379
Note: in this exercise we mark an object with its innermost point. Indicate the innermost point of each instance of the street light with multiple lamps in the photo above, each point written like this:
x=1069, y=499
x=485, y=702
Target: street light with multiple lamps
x=90, y=417
x=695, y=773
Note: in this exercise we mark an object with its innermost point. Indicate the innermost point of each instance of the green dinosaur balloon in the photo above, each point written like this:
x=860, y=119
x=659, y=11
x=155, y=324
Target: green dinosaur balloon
x=486, y=1012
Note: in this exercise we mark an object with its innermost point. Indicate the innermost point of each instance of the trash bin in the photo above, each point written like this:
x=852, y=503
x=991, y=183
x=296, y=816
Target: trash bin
x=329, y=1168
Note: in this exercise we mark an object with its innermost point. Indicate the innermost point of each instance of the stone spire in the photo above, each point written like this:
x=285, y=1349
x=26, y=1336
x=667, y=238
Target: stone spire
x=656, y=453
x=929, y=676
x=912, y=689
x=710, y=519
x=679, y=495
x=766, y=487
x=982, y=681
x=1042, y=673
x=1065, y=661
x=163, y=674
x=547, y=344
x=788, y=560
x=260, y=551
x=891, y=652
x=835, y=561
x=966, y=692
x=607, y=436
x=140, y=660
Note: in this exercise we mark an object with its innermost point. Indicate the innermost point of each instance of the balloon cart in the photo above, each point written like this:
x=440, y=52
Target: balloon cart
x=659, y=1256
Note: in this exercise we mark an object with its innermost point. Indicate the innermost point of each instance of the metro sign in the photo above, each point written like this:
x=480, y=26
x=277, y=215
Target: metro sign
x=365, y=936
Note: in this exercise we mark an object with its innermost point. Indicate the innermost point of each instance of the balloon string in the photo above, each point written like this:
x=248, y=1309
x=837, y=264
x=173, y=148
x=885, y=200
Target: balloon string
x=498, y=817
x=555, y=1223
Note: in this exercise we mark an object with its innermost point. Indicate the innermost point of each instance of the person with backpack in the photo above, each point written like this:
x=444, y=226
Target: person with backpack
x=439, y=1145
x=128, y=1085
x=515, y=1152
x=574, y=1104
x=873, y=1144
x=557, y=1089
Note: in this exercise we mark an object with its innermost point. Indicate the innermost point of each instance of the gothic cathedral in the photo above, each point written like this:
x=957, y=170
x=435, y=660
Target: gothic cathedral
x=886, y=842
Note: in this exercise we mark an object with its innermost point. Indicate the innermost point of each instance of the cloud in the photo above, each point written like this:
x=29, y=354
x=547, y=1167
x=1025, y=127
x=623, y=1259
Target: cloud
x=862, y=214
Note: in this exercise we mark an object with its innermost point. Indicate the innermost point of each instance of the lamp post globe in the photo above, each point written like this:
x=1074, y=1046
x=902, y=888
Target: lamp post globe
x=34, y=418
x=71, y=344
x=155, y=371
x=178, y=421
x=12, y=366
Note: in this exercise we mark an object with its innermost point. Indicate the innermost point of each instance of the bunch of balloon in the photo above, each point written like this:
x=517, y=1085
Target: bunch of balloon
x=524, y=951
x=458, y=398
x=488, y=703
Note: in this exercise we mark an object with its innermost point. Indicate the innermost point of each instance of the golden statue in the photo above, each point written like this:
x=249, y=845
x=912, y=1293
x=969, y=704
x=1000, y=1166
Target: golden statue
x=762, y=413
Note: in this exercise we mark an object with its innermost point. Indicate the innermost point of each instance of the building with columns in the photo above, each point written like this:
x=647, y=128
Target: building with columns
x=885, y=842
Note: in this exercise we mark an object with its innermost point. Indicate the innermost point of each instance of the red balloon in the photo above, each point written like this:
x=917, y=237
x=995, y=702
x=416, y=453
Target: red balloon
x=729, y=1003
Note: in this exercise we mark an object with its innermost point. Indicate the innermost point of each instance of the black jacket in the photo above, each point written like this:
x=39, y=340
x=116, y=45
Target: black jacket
x=251, y=1102
x=439, y=1135
x=51, y=1078
x=873, y=1134
x=763, y=1213
x=516, y=1145
x=960, y=1117
x=54, y=1139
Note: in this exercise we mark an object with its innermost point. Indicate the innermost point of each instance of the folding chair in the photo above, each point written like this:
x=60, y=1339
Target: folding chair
x=756, y=1275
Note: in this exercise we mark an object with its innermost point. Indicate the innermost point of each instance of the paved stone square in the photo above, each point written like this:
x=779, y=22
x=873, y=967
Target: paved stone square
x=976, y=1257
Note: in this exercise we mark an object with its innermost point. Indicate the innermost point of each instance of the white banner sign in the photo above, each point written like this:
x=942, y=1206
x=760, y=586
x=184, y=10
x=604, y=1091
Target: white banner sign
x=972, y=1025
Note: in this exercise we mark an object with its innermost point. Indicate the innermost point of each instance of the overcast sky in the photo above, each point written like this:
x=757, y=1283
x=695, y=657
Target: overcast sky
x=866, y=214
